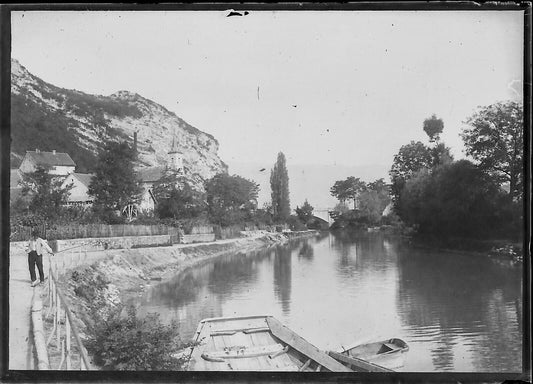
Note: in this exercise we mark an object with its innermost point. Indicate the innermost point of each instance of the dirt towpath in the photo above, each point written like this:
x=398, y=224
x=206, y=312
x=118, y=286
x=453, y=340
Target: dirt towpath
x=20, y=295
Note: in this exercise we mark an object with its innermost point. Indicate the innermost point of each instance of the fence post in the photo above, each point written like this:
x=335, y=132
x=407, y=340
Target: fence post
x=58, y=321
x=67, y=338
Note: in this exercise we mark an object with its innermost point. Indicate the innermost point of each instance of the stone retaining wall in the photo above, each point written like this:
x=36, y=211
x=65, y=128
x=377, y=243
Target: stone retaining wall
x=103, y=243
x=198, y=238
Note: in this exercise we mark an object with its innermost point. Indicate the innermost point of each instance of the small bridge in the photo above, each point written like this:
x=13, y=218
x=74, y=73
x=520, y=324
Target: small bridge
x=323, y=214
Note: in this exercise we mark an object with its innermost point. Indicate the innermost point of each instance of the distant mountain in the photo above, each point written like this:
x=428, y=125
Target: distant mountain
x=47, y=117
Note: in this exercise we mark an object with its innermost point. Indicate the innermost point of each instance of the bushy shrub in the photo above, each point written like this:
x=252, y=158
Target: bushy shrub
x=88, y=284
x=132, y=343
x=295, y=224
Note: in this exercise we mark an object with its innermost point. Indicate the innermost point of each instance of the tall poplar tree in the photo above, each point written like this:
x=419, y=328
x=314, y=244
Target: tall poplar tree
x=279, y=184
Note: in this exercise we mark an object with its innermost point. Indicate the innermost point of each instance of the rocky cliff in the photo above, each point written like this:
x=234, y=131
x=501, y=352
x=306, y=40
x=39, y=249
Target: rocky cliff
x=48, y=117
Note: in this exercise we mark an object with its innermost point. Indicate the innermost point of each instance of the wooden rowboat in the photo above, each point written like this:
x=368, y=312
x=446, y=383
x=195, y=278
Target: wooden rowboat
x=386, y=353
x=255, y=343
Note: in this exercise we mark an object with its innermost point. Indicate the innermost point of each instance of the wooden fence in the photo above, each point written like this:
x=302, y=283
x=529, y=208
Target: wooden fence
x=64, y=344
x=82, y=231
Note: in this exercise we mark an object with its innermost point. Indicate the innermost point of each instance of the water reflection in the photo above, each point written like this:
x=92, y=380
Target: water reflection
x=457, y=312
x=282, y=277
x=232, y=273
x=467, y=298
x=306, y=251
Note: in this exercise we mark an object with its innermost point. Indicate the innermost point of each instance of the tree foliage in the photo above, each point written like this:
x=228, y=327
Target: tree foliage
x=348, y=189
x=433, y=127
x=115, y=184
x=495, y=141
x=440, y=154
x=373, y=198
x=305, y=213
x=44, y=194
x=136, y=344
x=35, y=126
x=230, y=199
x=410, y=159
x=454, y=199
x=373, y=201
x=176, y=198
x=279, y=184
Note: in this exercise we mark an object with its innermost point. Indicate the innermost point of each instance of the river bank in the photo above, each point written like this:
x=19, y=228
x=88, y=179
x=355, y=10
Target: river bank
x=504, y=252
x=120, y=275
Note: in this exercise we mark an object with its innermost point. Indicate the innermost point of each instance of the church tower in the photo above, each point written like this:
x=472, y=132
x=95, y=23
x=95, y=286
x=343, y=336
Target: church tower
x=175, y=157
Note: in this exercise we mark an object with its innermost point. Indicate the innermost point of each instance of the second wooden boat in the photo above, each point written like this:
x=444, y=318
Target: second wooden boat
x=387, y=353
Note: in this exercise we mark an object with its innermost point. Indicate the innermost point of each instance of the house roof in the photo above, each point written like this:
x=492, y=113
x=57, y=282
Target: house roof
x=51, y=158
x=150, y=174
x=85, y=178
x=14, y=178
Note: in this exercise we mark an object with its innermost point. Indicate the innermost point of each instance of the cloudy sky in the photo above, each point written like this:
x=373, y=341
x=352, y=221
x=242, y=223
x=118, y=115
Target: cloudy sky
x=341, y=88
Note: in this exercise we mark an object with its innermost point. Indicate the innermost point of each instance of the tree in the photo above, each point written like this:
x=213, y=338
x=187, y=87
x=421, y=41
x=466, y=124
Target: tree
x=176, y=198
x=455, y=199
x=230, y=199
x=373, y=201
x=440, y=154
x=410, y=159
x=45, y=194
x=115, y=184
x=433, y=127
x=379, y=186
x=495, y=141
x=305, y=213
x=348, y=189
x=279, y=184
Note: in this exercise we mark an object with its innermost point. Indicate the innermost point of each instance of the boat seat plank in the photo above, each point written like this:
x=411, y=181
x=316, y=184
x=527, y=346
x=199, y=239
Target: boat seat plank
x=304, y=347
x=246, y=352
x=237, y=324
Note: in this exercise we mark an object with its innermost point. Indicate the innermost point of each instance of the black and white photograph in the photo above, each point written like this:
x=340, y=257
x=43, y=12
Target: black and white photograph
x=264, y=189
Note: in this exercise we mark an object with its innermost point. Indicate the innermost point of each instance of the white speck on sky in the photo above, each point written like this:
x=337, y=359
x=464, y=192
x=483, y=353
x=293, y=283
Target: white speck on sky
x=326, y=88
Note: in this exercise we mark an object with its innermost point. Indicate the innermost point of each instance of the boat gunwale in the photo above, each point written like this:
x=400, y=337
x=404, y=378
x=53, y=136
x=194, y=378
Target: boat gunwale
x=401, y=349
x=213, y=319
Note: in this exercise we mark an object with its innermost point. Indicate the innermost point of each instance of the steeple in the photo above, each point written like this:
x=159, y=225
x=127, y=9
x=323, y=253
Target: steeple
x=175, y=161
x=174, y=148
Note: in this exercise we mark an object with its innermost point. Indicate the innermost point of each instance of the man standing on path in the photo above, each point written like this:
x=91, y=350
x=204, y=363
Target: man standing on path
x=34, y=250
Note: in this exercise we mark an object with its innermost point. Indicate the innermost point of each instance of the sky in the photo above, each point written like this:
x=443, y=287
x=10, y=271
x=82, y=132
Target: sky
x=335, y=88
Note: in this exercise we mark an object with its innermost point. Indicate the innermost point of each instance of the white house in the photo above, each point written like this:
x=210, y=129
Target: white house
x=57, y=163
x=149, y=175
x=80, y=187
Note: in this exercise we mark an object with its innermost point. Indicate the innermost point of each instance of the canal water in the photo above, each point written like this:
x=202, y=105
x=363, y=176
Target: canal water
x=457, y=312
